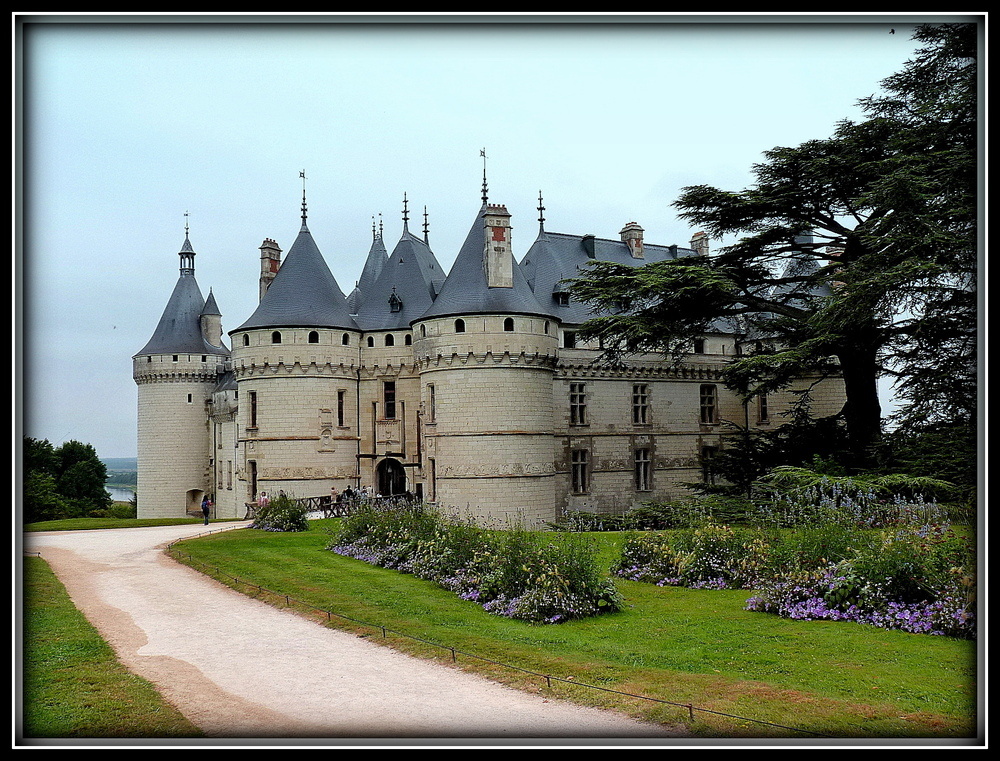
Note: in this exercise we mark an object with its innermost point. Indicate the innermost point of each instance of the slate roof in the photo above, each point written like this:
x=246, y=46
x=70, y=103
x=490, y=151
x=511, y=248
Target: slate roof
x=377, y=257
x=465, y=290
x=179, y=329
x=412, y=275
x=304, y=293
x=555, y=257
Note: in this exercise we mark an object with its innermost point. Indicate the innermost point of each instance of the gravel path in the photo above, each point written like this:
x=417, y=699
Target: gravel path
x=238, y=668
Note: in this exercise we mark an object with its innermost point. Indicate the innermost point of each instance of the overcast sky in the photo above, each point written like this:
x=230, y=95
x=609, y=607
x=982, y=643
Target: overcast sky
x=128, y=127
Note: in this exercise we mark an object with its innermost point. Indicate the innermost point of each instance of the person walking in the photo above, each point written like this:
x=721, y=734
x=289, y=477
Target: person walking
x=206, y=508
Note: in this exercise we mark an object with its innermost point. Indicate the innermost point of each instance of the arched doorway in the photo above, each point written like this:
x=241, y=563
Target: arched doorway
x=390, y=478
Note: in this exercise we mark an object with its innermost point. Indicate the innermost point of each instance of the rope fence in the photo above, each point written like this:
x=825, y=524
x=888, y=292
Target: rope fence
x=455, y=653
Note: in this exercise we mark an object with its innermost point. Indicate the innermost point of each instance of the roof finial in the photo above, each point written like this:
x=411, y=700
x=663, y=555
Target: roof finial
x=302, y=174
x=425, y=223
x=380, y=224
x=541, y=212
x=483, y=154
x=406, y=212
x=186, y=230
x=374, y=236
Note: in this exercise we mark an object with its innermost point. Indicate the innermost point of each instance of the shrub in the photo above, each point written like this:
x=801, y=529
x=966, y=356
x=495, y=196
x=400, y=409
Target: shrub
x=282, y=514
x=712, y=555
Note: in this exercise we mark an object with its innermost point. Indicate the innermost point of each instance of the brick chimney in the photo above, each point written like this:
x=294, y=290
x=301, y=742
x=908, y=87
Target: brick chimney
x=699, y=243
x=270, y=263
x=632, y=237
x=498, y=257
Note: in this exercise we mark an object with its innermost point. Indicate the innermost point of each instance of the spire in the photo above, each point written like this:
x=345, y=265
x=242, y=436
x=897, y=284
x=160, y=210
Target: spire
x=483, y=154
x=425, y=225
x=406, y=213
x=187, y=252
x=302, y=174
x=541, y=213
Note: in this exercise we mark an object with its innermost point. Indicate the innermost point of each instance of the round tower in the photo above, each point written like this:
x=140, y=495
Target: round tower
x=295, y=365
x=176, y=373
x=487, y=352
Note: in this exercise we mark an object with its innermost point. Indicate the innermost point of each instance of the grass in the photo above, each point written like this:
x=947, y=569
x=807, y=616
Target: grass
x=74, y=686
x=745, y=674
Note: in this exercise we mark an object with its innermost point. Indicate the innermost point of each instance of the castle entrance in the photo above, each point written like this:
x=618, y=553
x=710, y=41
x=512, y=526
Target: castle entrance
x=390, y=478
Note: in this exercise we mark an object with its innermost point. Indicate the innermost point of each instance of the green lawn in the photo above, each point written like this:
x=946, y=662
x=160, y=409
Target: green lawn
x=745, y=674
x=74, y=687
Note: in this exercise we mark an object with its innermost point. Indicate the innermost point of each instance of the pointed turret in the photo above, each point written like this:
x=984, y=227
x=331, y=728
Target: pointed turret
x=304, y=292
x=484, y=278
x=405, y=288
x=378, y=255
x=179, y=330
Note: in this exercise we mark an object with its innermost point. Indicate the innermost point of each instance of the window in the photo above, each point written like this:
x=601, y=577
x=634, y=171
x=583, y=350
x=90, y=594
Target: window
x=389, y=400
x=431, y=403
x=762, y=413
x=707, y=470
x=341, y=397
x=390, y=339
x=561, y=298
x=640, y=404
x=423, y=331
x=408, y=339
x=371, y=341
x=276, y=337
x=577, y=403
x=508, y=325
x=190, y=399
x=313, y=337
x=643, y=481
x=709, y=405
x=246, y=339
x=699, y=346
x=579, y=472
x=345, y=340
x=569, y=339
x=459, y=326
x=253, y=410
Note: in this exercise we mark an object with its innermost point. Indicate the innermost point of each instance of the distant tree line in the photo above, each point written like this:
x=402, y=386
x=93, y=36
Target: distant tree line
x=63, y=482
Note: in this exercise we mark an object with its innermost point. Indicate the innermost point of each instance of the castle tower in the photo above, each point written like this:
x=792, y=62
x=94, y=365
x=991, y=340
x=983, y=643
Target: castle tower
x=176, y=373
x=295, y=364
x=487, y=351
x=390, y=453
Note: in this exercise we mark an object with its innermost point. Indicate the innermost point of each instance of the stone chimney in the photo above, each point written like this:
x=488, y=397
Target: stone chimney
x=699, y=243
x=632, y=237
x=498, y=256
x=270, y=263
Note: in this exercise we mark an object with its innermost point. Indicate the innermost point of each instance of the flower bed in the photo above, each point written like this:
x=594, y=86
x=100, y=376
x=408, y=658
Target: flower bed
x=541, y=578
x=917, y=579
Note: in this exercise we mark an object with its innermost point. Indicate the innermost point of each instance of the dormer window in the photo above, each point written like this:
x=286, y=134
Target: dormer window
x=395, y=303
x=561, y=298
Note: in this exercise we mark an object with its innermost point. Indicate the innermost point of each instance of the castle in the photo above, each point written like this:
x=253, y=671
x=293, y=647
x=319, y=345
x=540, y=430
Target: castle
x=466, y=388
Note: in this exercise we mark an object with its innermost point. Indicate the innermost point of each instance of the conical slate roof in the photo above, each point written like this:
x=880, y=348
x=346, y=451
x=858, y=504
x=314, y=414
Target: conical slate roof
x=377, y=257
x=304, y=293
x=405, y=289
x=179, y=329
x=465, y=290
